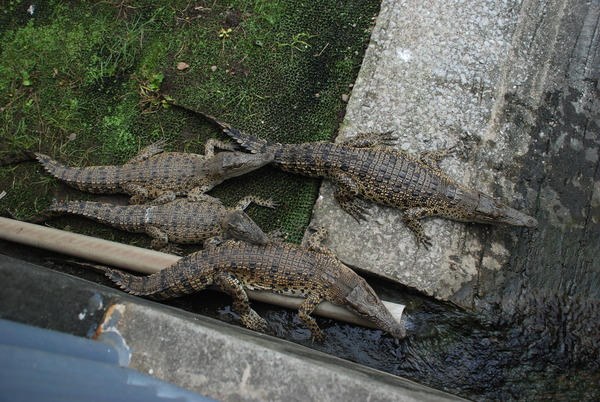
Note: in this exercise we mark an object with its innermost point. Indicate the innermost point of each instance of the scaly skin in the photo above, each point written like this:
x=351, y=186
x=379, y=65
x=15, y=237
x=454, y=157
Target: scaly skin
x=179, y=221
x=314, y=273
x=364, y=168
x=161, y=176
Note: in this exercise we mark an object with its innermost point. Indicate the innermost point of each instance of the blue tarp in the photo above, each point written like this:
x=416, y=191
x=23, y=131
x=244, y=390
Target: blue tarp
x=40, y=364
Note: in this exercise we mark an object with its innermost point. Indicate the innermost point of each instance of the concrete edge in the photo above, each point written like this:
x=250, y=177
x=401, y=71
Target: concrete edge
x=199, y=353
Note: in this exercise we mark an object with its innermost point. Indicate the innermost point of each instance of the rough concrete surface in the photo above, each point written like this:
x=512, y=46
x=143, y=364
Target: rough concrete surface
x=474, y=74
x=238, y=364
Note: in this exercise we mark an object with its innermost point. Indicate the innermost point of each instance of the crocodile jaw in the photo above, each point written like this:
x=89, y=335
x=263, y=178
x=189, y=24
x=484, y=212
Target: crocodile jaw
x=240, y=226
x=489, y=210
x=363, y=301
x=233, y=164
x=473, y=206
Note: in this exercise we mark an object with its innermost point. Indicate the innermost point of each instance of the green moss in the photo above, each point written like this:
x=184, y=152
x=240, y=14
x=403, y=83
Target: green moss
x=79, y=80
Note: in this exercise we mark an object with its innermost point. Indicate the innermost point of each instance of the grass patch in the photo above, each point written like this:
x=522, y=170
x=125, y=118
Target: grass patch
x=80, y=81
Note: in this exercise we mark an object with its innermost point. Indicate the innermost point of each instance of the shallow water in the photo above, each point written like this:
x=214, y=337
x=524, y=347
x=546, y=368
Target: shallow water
x=548, y=348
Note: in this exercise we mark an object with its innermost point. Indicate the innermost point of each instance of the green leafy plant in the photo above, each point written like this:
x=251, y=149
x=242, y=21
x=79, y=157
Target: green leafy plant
x=299, y=42
x=25, y=79
x=225, y=33
x=151, y=100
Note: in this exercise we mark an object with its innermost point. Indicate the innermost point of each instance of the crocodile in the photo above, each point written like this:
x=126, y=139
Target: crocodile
x=367, y=167
x=178, y=221
x=160, y=176
x=312, y=272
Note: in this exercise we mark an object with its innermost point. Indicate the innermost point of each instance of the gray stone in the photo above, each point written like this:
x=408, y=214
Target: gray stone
x=479, y=75
x=235, y=364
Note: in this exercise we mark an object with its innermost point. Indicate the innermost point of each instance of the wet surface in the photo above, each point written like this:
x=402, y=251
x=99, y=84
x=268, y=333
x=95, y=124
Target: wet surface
x=547, y=347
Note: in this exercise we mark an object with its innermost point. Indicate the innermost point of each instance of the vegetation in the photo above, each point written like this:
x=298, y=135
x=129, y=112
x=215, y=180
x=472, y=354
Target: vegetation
x=88, y=83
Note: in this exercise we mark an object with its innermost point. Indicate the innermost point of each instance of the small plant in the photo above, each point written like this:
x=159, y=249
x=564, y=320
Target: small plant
x=225, y=33
x=11, y=7
x=151, y=100
x=299, y=42
x=25, y=79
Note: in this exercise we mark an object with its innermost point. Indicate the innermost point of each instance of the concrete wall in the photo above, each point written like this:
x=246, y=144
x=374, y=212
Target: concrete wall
x=514, y=86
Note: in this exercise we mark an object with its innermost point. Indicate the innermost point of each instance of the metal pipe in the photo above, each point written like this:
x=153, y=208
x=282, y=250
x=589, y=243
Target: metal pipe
x=148, y=261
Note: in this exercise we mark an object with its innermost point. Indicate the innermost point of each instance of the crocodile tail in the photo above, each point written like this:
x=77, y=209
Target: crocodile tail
x=247, y=141
x=114, y=215
x=55, y=210
x=94, y=179
x=149, y=286
x=53, y=167
x=17, y=157
x=165, y=284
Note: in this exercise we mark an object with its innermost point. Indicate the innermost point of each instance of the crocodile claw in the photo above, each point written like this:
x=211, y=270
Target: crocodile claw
x=270, y=203
x=387, y=138
x=357, y=208
x=426, y=242
x=172, y=249
x=317, y=335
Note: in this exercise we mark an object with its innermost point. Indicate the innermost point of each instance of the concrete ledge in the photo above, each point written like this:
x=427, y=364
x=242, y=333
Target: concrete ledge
x=230, y=363
x=198, y=353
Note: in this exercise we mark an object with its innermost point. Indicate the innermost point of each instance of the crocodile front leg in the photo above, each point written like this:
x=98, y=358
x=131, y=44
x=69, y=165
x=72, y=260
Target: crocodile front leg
x=241, y=304
x=215, y=241
x=306, y=308
x=432, y=158
x=411, y=217
x=244, y=202
x=197, y=193
x=148, y=152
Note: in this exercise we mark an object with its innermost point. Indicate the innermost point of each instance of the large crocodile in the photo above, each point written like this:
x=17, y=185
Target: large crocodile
x=158, y=175
x=179, y=221
x=313, y=272
x=364, y=167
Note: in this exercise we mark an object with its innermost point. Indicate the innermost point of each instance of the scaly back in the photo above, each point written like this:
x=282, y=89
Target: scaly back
x=166, y=171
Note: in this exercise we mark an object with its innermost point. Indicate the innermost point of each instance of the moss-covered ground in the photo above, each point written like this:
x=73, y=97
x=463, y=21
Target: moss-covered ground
x=83, y=82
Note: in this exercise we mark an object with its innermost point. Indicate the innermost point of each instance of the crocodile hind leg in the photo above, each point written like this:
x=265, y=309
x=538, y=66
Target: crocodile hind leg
x=160, y=241
x=316, y=239
x=163, y=197
x=241, y=304
x=247, y=200
x=345, y=193
x=306, y=308
x=433, y=158
x=213, y=143
x=411, y=217
x=369, y=140
x=148, y=152
x=139, y=194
